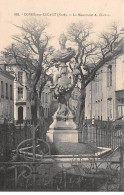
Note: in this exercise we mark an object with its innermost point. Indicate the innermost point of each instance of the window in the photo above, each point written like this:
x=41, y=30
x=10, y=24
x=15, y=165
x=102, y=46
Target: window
x=120, y=110
x=46, y=98
x=2, y=90
x=98, y=84
x=11, y=91
x=42, y=95
x=109, y=76
x=20, y=93
x=6, y=91
x=11, y=111
x=20, y=74
x=109, y=108
x=48, y=111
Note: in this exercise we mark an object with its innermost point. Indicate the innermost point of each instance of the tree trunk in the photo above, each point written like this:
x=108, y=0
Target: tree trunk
x=33, y=95
x=81, y=108
x=34, y=107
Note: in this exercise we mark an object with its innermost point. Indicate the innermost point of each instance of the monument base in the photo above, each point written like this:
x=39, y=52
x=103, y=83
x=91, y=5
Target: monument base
x=73, y=136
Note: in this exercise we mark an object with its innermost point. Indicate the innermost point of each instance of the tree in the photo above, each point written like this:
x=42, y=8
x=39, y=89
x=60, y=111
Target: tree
x=91, y=56
x=32, y=53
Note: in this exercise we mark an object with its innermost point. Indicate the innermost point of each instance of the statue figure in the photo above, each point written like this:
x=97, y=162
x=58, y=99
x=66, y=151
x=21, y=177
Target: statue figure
x=64, y=83
x=63, y=128
x=64, y=54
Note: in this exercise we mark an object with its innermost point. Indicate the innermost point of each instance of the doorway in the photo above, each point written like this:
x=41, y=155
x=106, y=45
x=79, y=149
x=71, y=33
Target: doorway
x=20, y=115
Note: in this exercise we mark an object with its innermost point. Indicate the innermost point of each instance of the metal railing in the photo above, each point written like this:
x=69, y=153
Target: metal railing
x=49, y=175
x=104, y=134
x=10, y=137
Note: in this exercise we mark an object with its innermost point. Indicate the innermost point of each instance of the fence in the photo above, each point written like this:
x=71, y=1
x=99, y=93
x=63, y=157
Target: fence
x=87, y=175
x=105, y=134
x=10, y=137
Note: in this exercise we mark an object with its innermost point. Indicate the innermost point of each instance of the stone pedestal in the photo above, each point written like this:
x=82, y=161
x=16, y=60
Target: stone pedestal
x=63, y=129
x=73, y=136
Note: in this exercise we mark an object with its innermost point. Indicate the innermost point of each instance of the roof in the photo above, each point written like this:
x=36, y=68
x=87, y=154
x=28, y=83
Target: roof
x=6, y=74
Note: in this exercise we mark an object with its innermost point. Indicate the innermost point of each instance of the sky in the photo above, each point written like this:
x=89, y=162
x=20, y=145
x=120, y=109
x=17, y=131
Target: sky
x=63, y=13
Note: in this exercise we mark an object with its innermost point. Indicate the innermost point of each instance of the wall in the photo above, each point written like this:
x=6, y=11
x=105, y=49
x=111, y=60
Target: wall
x=120, y=73
x=6, y=103
x=120, y=86
x=100, y=94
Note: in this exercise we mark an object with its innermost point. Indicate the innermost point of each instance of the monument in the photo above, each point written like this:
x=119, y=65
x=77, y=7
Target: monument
x=63, y=128
x=63, y=135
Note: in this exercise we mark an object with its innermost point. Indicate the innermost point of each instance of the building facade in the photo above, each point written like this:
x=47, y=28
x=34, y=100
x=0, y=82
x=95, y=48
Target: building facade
x=48, y=102
x=105, y=94
x=22, y=111
x=6, y=96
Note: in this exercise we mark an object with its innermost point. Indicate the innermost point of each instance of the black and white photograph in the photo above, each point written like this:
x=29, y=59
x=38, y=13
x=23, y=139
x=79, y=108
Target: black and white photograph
x=61, y=96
